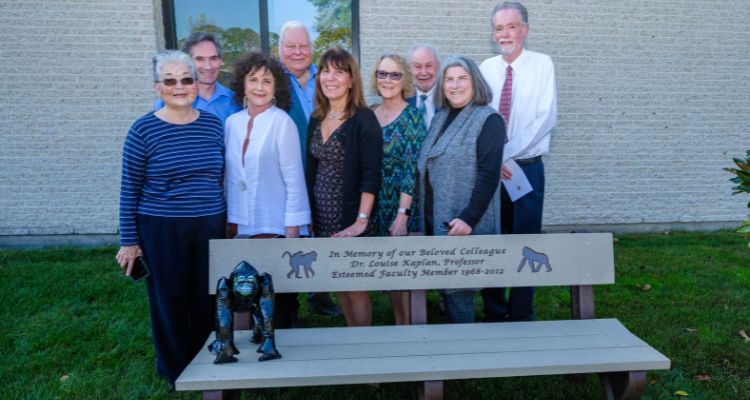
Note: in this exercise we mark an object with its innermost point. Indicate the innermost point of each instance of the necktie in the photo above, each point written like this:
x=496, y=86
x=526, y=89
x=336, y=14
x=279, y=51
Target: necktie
x=506, y=96
x=423, y=107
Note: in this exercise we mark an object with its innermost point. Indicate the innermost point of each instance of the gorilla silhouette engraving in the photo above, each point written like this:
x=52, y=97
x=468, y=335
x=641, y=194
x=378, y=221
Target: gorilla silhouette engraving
x=533, y=257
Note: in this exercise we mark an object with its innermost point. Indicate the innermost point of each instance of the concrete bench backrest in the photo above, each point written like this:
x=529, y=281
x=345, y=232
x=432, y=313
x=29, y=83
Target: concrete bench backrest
x=421, y=262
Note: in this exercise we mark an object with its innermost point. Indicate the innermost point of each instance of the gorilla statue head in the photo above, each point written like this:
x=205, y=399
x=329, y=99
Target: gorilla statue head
x=245, y=280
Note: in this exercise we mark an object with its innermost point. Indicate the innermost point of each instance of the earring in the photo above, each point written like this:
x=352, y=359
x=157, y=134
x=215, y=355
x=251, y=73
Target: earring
x=273, y=100
x=244, y=102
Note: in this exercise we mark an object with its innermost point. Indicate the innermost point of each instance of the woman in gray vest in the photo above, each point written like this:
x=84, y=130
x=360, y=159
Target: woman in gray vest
x=459, y=167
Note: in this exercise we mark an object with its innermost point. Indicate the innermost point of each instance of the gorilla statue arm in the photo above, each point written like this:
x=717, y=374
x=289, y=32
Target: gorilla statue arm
x=223, y=346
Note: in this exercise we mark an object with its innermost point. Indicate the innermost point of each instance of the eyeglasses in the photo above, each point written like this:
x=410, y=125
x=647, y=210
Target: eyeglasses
x=383, y=75
x=173, y=82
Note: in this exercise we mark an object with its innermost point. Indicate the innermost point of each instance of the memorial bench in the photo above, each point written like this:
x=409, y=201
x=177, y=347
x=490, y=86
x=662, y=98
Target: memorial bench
x=431, y=353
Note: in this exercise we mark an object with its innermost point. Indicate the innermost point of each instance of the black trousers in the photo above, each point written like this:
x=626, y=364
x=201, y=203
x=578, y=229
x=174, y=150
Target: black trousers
x=285, y=310
x=522, y=216
x=176, y=251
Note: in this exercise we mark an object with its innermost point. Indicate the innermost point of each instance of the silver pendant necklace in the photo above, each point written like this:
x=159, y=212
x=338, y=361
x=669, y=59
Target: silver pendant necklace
x=334, y=114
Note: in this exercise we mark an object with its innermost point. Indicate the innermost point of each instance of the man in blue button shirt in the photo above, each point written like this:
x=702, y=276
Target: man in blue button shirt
x=295, y=55
x=213, y=97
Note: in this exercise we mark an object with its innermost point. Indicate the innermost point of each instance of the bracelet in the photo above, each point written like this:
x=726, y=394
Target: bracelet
x=362, y=216
x=405, y=211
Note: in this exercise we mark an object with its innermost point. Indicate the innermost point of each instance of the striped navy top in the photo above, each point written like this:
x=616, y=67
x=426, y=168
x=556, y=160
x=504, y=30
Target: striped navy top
x=171, y=170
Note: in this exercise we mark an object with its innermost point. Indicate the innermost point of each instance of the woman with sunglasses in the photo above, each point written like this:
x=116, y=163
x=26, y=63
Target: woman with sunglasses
x=345, y=153
x=171, y=205
x=403, y=133
x=459, y=167
x=265, y=184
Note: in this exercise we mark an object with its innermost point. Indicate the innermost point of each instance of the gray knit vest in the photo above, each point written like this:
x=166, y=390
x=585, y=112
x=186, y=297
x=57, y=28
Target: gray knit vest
x=452, y=165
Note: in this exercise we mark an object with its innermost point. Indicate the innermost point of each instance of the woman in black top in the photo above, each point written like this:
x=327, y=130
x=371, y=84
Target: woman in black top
x=344, y=162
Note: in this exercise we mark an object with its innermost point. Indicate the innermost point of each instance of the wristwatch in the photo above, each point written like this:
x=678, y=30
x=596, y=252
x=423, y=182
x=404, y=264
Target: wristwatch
x=405, y=211
x=362, y=216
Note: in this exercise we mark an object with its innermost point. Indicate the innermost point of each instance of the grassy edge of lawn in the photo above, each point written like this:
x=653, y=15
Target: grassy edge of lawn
x=73, y=327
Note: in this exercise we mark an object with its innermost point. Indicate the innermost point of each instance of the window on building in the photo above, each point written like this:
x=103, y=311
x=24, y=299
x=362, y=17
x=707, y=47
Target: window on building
x=254, y=25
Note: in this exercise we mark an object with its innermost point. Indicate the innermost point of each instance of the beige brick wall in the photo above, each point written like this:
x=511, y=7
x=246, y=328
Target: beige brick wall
x=75, y=75
x=653, y=100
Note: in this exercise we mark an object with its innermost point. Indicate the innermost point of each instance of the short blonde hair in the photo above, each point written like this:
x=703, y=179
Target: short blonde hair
x=408, y=87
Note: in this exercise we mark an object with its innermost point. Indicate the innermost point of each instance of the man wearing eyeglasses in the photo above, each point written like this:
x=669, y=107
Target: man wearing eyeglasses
x=523, y=92
x=295, y=55
x=213, y=97
x=424, y=64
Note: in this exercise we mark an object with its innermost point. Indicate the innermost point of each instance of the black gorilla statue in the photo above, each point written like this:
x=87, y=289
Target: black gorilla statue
x=244, y=291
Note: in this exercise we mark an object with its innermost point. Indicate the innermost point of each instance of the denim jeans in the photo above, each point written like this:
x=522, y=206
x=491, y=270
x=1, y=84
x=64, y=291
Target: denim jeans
x=459, y=305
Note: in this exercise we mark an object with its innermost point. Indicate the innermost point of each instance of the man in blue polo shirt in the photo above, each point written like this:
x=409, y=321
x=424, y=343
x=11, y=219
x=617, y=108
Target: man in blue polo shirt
x=213, y=97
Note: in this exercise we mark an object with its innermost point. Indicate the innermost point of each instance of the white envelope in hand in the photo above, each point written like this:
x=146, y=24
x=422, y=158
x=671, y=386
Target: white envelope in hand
x=518, y=185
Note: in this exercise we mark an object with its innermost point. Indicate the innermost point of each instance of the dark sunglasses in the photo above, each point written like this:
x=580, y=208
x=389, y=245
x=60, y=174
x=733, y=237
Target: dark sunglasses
x=382, y=75
x=173, y=82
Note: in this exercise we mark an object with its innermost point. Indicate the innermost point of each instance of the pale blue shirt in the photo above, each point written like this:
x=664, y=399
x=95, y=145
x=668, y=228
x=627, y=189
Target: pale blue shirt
x=220, y=104
x=305, y=95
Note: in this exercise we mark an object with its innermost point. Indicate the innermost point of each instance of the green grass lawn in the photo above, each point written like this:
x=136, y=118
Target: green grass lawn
x=74, y=327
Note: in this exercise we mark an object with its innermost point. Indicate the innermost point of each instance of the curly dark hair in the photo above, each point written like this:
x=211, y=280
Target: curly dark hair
x=252, y=62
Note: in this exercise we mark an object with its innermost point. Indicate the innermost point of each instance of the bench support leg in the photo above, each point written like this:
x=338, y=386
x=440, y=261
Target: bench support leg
x=431, y=390
x=582, y=302
x=418, y=307
x=428, y=390
x=221, y=394
x=628, y=385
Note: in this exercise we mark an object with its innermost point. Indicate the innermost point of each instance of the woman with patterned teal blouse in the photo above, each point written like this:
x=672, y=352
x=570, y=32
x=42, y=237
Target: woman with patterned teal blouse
x=403, y=133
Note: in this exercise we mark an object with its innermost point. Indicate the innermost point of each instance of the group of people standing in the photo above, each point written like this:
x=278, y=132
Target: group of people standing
x=293, y=150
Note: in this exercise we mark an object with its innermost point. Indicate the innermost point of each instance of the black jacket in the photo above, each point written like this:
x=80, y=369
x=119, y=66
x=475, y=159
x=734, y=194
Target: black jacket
x=363, y=159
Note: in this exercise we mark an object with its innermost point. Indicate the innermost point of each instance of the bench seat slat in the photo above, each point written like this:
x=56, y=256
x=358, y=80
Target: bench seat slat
x=451, y=332
x=310, y=344
x=330, y=356
x=344, y=335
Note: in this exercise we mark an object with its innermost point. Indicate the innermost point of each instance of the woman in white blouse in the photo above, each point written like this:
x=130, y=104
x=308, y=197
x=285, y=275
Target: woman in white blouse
x=265, y=181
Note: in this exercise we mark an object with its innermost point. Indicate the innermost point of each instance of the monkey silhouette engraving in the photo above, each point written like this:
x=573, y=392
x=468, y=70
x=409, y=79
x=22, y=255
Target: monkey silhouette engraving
x=535, y=260
x=303, y=259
